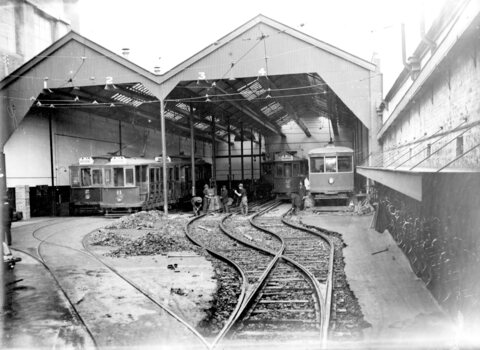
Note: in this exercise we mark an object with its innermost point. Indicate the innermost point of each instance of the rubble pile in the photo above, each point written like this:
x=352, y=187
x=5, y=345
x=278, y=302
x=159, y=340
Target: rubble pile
x=142, y=219
x=152, y=244
x=108, y=238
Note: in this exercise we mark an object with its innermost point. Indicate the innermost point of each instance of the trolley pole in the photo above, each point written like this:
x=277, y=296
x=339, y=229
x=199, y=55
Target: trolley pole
x=164, y=157
x=241, y=150
x=192, y=151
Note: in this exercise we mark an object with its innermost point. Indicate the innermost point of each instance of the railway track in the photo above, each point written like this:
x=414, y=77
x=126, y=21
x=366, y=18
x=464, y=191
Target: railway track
x=47, y=253
x=284, y=280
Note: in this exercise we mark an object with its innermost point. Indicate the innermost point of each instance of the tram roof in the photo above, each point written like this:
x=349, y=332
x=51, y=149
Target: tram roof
x=330, y=150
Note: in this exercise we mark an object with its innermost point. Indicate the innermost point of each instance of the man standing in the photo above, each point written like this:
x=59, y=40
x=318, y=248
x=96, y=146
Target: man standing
x=206, y=199
x=224, y=195
x=242, y=194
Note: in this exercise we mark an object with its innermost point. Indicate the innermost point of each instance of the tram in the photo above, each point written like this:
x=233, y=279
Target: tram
x=331, y=172
x=284, y=174
x=122, y=184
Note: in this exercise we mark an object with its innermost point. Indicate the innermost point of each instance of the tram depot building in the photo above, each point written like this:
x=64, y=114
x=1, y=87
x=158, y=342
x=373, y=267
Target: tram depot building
x=239, y=103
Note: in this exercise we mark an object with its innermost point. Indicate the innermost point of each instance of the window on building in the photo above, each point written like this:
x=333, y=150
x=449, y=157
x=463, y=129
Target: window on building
x=344, y=164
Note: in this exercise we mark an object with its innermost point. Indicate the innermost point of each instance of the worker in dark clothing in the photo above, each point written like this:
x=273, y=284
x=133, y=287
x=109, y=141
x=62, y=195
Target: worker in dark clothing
x=298, y=198
x=206, y=199
x=8, y=217
x=224, y=195
x=242, y=194
x=197, y=205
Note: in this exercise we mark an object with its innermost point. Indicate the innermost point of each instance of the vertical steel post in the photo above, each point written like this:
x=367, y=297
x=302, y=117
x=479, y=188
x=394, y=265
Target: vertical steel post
x=214, y=151
x=164, y=157
x=241, y=149
x=3, y=222
x=251, y=153
x=120, y=138
x=52, y=167
x=192, y=150
x=260, y=154
x=229, y=157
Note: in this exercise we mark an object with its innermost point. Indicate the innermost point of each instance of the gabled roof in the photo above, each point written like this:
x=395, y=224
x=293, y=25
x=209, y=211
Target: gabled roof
x=281, y=28
x=67, y=38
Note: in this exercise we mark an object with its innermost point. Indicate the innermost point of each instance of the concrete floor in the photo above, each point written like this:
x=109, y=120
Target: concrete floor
x=397, y=304
x=38, y=315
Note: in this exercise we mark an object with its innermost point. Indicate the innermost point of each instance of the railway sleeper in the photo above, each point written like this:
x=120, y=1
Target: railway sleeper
x=283, y=311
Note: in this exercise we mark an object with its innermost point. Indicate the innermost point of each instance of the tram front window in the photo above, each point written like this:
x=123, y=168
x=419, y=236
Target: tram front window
x=118, y=180
x=331, y=164
x=344, y=164
x=108, y=177
x=317, y=164
x=279, y=171
x=97, y=177
x=129, y=179
x=288, y=170
x=85, y=176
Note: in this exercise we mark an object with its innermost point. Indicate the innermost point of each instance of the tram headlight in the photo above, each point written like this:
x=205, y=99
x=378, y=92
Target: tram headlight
x=87, y=194
x=331, y=180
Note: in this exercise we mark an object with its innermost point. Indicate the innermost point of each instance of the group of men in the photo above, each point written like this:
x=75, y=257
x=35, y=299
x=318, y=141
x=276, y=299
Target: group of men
x=225, y=201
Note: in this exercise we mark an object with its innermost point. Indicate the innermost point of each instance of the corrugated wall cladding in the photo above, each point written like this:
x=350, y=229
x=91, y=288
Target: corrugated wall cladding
x=80, y=134
x=450, y=96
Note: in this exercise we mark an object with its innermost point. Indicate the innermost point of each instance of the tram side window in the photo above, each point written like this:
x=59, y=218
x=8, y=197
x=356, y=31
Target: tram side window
x=344, y=164
x=330, y=164
x=108, y=177
x=85, y=176
x=288, y=170
x=177, y=173
x=118, y=177
x=318, y=164
x=97, y=176
x=129, y=179
x=75, y=179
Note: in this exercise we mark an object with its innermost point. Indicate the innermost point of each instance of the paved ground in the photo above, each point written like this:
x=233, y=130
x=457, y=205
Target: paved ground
x=401, y=310
x=38, y=315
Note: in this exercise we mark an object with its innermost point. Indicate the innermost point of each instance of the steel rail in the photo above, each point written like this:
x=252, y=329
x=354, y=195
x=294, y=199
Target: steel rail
x=278, y=256
x=328, y=297
x=230, y=262
x=90, y=254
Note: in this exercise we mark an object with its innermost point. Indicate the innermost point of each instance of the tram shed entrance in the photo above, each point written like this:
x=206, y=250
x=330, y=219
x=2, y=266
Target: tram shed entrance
x=261, y=90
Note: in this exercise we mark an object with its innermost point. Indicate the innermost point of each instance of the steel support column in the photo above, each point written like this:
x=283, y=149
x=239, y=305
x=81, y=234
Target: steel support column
x=52, y=167
x=251, y=154
x=192, y=150
x=164, y=157
x=260, y=153
x=120, y=138
x=3, y=222
x=214, y=151
x=229, y=157
x=241, y=149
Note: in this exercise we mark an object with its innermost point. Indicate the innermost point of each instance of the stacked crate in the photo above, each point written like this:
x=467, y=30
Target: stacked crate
x=22, y=200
